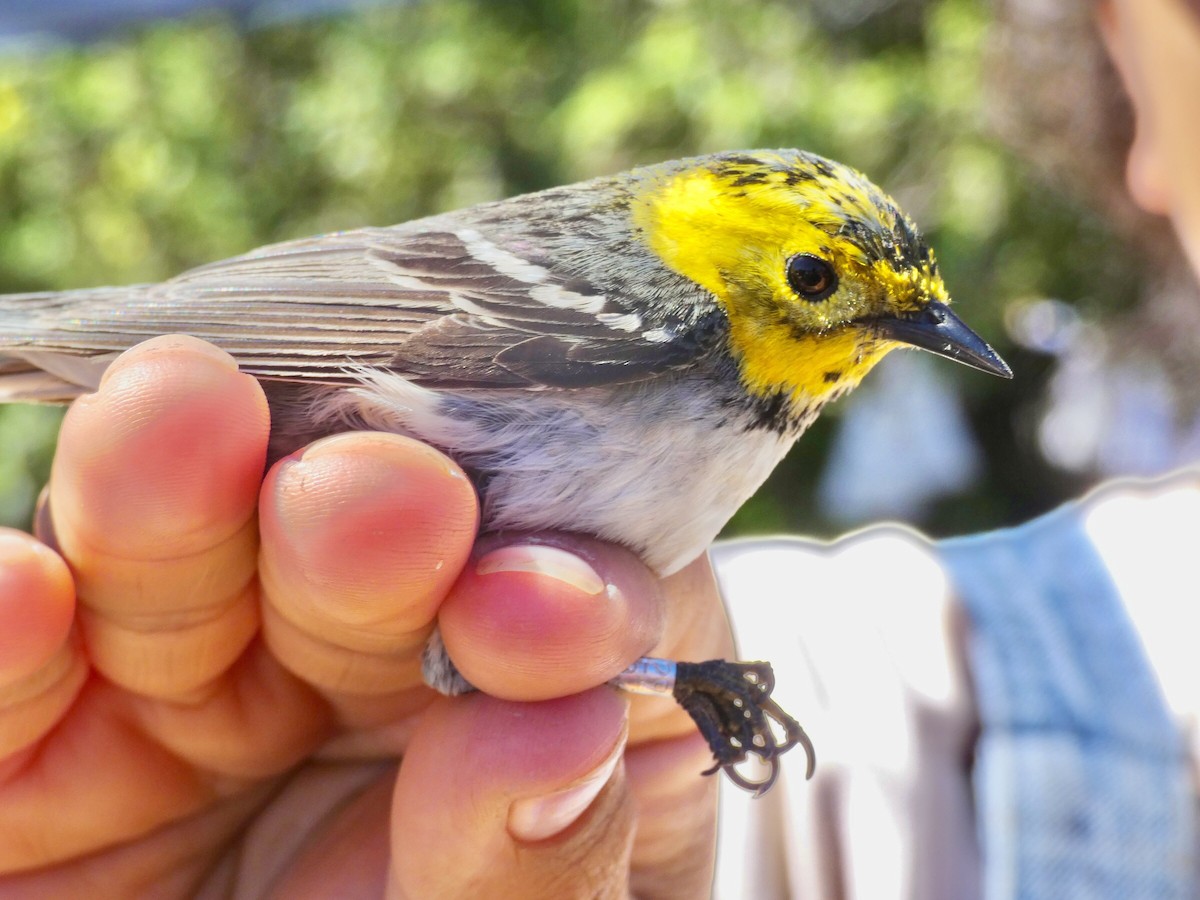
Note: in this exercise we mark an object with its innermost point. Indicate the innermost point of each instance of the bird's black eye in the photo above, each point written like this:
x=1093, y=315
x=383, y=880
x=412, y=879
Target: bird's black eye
x=811, y=277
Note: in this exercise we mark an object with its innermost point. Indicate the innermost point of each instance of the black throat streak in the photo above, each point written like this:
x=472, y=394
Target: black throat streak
x=778, y=412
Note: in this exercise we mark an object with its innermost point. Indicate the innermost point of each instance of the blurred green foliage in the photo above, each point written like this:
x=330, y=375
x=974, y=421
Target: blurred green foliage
x=130, y=159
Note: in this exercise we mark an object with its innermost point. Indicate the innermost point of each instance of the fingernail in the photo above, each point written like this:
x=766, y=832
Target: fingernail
x=537, y=818
x=542, y=560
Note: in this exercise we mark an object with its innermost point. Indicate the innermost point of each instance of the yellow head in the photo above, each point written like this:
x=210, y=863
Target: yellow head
x=818, y=270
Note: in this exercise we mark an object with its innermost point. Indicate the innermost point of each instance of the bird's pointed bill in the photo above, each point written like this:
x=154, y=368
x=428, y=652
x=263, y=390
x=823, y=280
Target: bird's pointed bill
x=938, y=330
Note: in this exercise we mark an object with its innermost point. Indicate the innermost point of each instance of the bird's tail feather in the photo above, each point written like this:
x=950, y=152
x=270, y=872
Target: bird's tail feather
x=45, y=356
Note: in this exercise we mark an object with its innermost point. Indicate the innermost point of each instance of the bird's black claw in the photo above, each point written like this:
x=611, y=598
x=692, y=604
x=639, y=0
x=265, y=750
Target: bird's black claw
x=731, y=704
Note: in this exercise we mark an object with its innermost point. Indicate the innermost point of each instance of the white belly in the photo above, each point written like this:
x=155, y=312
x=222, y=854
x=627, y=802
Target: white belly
x=652, y=467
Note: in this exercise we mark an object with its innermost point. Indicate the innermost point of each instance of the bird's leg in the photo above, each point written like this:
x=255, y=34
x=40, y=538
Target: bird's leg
x=731, y=704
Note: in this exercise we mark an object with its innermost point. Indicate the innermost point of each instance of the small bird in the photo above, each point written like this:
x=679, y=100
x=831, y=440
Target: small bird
x=628, y=357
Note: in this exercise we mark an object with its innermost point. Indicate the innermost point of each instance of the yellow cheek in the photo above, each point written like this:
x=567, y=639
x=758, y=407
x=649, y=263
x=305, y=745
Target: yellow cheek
x=773, y=358
x=701, y=229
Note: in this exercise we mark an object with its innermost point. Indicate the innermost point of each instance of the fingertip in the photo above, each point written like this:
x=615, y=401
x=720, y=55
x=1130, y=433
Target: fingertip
x=677, y=817
x=662, y=771
x=499, y=751
x=550, y=616
x=166, y=456
x=509, y=786
x=388, y=447
x=365, y=532
x=37, y=604
x=41, y=662
x=540, y=816
x=168, y=345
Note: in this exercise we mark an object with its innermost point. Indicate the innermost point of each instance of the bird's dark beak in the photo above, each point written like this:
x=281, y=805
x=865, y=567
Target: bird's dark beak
x=940, y=331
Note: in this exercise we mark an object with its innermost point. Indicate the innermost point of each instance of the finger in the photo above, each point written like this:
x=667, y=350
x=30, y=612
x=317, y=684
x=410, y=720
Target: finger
x=152, y=494
x=696, y=629
x=502, y=799
x=531, y=621
x=677, y=805
x=342, y=850
x=41, y=668
x=362, y=535
x=550, y=615
x=675, y=849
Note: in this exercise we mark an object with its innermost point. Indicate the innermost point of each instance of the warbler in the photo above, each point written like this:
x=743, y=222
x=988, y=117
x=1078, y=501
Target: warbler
x=628, y=357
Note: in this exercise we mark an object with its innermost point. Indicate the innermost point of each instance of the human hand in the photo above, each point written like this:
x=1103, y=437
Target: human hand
x=212, y=695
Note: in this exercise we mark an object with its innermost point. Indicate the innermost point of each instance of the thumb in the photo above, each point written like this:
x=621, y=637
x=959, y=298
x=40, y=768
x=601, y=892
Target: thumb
x=504, y=799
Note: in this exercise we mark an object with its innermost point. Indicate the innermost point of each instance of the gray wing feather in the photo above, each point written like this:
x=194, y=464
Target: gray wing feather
x=441, y=306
